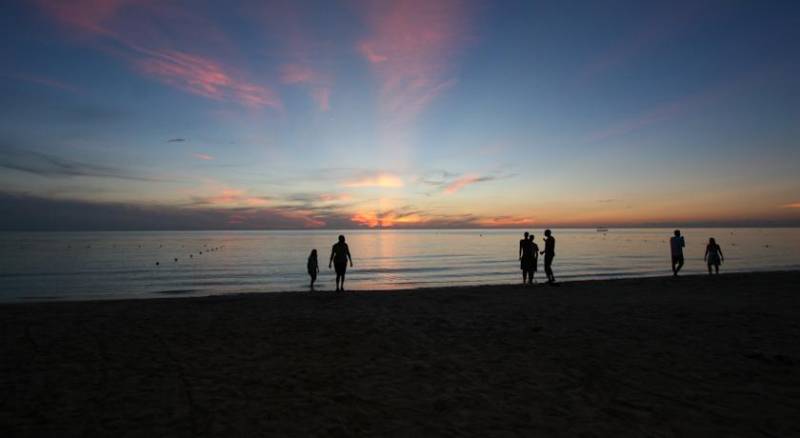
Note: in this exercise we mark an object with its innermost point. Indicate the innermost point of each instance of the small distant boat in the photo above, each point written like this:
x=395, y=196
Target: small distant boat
x=602, y=230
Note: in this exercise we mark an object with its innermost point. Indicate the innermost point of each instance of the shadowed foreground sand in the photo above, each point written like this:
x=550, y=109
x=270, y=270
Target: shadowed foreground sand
x=645, y=357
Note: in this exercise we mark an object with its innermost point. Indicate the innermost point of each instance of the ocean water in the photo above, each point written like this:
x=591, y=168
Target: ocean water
x=103, y=265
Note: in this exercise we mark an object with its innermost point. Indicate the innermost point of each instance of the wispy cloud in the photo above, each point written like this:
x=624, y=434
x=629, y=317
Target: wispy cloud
x=46, y=81
x=53, y=166
x=176, y=140
x=204, y=77
x=792, y=205
x=132, y=25
x=317, y=82
x=204, y=157
x=462, y=182
x=411, y=48
x=227, y=198
x=504, y=221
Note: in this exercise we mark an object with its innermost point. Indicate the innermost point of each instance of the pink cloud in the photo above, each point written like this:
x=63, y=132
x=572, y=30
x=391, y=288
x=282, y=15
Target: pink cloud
x=322, y=96
x=148, y=31
x=298, y=74
x=793, y=205
x=202, y=76
x=411, y=48
x=462, y=182
x=319, y=83
x=330, y=197
x=204, y=157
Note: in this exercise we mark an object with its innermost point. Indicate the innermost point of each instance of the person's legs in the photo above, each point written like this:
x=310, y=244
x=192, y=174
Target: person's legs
x=680, y=265
x=709, y=269
x=548, y=268
x=674, y=264
x=716, y=268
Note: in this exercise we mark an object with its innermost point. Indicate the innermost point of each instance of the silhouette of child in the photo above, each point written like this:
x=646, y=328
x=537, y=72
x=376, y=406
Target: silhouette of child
x=713, y=255
x=313, y=267
x=534, y=260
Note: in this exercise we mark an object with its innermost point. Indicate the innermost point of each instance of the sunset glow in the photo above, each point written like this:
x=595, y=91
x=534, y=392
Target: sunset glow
x=401, y=114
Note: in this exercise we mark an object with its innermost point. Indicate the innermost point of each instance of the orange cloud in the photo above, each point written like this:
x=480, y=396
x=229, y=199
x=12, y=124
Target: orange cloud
x=384, y=180
x=793, y=205
x=504, y=221
x=231, y=198
x=202, y=156
x=385, y=219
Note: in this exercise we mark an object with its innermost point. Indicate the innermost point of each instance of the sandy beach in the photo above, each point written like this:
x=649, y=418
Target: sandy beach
x=693, y=356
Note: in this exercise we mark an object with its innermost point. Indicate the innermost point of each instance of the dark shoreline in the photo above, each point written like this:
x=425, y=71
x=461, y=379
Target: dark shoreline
x=179, y=294
x=694, y=356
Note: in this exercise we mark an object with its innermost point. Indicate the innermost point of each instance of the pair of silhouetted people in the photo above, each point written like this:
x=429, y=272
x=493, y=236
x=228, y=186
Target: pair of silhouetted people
x=340, y=255
x=713, y=255
x=529, y=257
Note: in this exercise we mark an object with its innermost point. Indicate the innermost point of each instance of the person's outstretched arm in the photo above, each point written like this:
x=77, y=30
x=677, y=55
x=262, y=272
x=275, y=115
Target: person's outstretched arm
x=705, y=257
x=333, y=252
x=721, y=257
x=520, y=249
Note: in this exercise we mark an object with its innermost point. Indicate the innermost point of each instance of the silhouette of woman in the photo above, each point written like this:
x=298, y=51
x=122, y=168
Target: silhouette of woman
x=340, y=254
x=713, y=255
x=313, y=267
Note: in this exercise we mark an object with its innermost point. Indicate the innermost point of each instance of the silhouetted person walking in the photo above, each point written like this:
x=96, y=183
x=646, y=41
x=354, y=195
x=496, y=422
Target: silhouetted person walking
x=313, y=267
x=534, y=260
x=713, y=255
x=549, y=253
x=340, y=254
x=676, y=245
x=525, y=256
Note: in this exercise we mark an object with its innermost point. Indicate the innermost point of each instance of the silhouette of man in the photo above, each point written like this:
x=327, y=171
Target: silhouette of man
x=549, y=253
x=676, y=245
x=340, y=254
x=525, y=256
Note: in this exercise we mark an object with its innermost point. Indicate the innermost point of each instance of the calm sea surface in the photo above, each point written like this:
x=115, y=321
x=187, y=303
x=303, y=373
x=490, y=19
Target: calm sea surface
x=100, y=265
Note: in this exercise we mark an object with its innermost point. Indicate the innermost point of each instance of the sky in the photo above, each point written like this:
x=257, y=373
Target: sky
x=145, y=114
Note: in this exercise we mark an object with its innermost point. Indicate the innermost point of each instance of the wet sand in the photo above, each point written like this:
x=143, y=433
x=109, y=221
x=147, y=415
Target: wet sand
x=693, y=356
